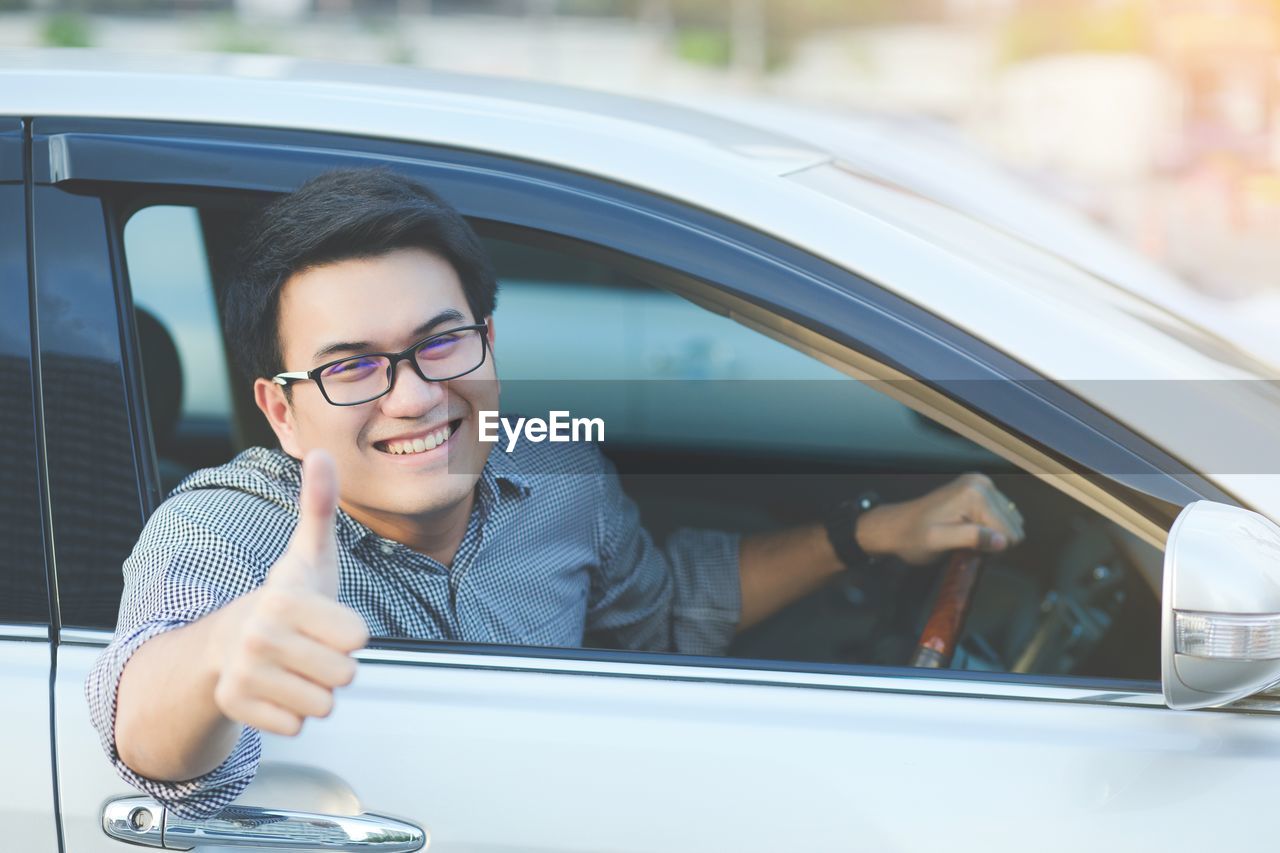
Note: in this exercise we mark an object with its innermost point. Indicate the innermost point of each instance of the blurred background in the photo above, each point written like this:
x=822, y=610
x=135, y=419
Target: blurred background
x=1157, y=120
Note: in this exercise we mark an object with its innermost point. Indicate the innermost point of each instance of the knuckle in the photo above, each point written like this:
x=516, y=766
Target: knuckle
x=224, y=697
x=243, y=687
x=346, y=673
x=291, y=725
x=276, y=603
x=233, y=684
x=352, y=633
x=230, y=694
x=343, y=674
x=258, y=641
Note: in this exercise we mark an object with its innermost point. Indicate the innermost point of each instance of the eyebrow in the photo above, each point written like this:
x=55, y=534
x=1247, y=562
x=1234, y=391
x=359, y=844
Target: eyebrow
x=448, y=315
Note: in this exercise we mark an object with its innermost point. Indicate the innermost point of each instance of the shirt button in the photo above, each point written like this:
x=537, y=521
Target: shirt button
x=388, y=548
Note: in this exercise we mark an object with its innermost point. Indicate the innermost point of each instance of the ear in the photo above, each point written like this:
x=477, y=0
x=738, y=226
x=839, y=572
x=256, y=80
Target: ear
x=493, y=353
x=275, y=406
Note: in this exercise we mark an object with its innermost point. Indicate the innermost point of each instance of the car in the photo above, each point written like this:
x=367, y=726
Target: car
x=764, y=332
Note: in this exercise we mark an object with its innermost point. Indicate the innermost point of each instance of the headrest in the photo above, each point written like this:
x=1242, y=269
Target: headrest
x=162, y=372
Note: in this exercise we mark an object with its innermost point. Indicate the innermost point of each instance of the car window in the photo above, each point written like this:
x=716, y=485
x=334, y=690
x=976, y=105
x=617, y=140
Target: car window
x=23, y=588
x=715, y=425
x=725, y=427
x=169, y=277
x=652, y=349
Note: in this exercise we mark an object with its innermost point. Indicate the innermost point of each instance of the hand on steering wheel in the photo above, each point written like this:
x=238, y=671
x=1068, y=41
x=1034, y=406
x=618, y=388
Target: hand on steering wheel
x=969, y=512
x=966, y=517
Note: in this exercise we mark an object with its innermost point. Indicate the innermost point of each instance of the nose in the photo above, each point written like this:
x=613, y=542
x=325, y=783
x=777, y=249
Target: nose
x=410, y=396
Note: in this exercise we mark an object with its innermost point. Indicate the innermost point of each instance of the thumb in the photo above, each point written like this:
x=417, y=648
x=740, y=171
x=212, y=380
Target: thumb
x=949, y=537
x=312, y=557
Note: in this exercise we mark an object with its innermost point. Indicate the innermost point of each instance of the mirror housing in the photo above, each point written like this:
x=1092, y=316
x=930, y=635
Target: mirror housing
x=1220, y=631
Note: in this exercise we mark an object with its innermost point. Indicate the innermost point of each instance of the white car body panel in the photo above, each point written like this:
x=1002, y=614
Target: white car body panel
x=26, y=788
x=856, y=763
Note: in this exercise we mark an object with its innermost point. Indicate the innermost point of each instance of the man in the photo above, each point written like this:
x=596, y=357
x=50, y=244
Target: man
x=363, y=311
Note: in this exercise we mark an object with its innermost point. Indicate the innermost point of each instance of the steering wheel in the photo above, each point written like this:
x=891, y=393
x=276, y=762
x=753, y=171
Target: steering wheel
x=941, y=632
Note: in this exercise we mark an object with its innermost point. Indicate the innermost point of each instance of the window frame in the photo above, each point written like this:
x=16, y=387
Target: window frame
x=181, y=164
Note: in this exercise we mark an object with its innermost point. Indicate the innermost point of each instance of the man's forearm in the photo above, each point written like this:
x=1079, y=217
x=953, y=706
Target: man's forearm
x=168, y=727
x=775, y=569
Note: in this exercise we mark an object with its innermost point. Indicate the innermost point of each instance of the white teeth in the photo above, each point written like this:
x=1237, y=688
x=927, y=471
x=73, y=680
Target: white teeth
x=420, y=445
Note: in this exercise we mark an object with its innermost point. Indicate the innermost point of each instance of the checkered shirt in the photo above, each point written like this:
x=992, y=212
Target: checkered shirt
x=553, y=555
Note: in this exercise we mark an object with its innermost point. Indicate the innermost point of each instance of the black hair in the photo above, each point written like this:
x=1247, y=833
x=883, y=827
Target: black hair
x=341, y=215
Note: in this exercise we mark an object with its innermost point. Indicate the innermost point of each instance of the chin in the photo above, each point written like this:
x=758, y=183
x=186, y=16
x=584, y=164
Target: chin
x=442, y=493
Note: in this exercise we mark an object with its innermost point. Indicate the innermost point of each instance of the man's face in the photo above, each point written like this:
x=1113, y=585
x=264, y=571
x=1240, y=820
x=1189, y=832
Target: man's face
x=382, y=304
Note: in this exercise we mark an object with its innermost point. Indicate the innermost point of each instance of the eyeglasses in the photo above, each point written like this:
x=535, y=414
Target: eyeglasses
x=361, y=378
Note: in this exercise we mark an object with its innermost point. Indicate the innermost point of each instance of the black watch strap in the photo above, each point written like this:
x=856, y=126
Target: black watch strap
x=841, y=523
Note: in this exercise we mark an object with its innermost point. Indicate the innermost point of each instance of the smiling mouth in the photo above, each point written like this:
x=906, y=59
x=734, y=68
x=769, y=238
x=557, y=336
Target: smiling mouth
x=419, y=444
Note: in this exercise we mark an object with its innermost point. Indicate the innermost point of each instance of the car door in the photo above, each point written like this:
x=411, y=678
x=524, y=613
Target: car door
x=27, y=802
x=511, y=748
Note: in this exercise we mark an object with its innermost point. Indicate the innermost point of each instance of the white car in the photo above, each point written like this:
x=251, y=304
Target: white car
x=765, y=332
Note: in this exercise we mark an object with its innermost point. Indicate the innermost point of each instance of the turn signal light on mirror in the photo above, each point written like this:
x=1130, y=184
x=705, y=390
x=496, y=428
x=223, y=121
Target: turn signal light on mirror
x=1228, y=636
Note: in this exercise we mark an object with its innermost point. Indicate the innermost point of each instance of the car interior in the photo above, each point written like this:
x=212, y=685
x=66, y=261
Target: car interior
x=711, y=424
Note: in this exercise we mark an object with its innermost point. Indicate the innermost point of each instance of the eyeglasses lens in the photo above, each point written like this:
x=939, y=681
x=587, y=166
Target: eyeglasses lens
x=364, y=377
x=356, y=379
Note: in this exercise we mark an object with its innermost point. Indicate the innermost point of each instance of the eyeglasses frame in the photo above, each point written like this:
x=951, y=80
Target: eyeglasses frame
x=408, y=354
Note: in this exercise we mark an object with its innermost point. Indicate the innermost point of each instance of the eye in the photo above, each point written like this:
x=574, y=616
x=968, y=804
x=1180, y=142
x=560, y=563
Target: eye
x=437, y=347
x=352, y=369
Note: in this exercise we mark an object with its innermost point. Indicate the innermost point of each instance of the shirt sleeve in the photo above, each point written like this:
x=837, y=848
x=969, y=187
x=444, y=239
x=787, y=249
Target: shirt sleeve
x=180, y=570
x=683, y=597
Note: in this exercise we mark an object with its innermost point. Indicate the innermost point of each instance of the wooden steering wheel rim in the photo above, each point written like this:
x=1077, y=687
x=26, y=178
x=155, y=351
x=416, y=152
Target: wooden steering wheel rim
x=942, y=630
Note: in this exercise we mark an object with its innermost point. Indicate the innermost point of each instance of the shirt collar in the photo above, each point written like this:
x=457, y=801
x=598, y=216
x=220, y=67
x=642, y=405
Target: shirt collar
x=501, y=477
x=502, y=467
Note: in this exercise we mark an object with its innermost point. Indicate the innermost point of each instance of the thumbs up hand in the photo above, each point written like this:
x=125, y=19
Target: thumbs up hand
x=285, y=647
x=311, y=561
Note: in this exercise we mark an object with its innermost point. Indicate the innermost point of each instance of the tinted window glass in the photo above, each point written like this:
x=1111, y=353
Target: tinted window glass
x=23, y=590
x=93, y=470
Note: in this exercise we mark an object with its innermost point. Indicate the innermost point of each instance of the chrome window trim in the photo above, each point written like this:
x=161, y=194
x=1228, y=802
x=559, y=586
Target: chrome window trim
x=24, y=633
x=867, y=683
x=84, y=637
x=933, y=686
x=774, y=678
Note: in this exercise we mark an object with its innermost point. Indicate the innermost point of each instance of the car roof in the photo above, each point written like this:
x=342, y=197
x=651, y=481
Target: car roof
x=293, y=92
x=1042, y=311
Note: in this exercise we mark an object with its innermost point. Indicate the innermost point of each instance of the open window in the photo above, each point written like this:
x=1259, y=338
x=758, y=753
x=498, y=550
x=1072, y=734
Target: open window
x=721, y=415
x=735, y=418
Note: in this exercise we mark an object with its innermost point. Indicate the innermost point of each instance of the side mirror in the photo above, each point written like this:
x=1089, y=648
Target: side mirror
x=1221, y=606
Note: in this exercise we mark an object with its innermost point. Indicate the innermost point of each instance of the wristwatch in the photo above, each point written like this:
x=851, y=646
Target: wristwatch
x=841, y=523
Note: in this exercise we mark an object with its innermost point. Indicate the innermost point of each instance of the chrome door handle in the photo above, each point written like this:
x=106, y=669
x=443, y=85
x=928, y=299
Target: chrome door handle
x=141, y=820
